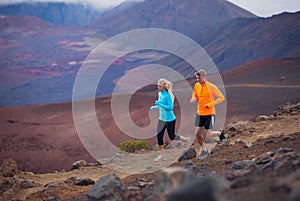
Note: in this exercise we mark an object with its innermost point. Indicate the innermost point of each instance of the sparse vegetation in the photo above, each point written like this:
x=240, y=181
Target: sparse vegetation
x=133, y=145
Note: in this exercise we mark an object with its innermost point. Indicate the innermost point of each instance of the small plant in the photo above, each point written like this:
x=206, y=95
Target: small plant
x=133, y=145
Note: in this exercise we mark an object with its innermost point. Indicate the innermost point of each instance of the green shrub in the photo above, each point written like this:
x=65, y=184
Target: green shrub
x=133, y=145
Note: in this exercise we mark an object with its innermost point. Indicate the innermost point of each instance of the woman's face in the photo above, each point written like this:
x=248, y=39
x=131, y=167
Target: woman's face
x=160, y=87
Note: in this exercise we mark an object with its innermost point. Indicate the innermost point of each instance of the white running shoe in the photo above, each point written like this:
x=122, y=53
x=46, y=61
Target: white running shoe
x=188, y=140
x=159, y=158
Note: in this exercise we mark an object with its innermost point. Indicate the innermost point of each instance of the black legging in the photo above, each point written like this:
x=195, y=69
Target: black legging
x=161, y=127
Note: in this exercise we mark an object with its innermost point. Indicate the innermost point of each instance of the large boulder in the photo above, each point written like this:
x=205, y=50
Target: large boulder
x=108, y=188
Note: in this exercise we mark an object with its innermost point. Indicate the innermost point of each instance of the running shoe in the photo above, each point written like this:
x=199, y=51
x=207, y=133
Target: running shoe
x=159, y=158
x=221, y=136
x=203, y=154
x=188, y=140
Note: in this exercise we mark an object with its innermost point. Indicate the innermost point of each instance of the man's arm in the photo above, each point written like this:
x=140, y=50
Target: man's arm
x=194, y=96
x=217, y=95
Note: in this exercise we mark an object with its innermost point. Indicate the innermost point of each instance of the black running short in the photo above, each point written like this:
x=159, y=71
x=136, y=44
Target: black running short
x=205, y=121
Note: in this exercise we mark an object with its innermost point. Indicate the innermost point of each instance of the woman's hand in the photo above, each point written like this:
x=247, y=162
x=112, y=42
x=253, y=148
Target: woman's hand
x=153, y=107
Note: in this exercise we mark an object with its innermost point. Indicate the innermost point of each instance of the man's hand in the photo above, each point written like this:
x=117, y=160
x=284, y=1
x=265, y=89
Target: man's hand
x=209, y=105
x=193, y=100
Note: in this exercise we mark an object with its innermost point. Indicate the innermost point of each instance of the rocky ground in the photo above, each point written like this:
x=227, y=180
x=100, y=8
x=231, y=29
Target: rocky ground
x=259, y=160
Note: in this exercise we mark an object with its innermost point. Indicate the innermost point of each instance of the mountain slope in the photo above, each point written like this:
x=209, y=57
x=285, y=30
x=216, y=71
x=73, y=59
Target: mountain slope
x=243, y=40
x=189, y=17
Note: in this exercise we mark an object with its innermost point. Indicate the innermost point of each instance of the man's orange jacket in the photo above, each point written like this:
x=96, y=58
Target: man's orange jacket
x=208, y=95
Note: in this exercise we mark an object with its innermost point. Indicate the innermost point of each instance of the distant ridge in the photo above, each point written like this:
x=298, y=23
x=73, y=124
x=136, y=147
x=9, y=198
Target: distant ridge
x=53, y=12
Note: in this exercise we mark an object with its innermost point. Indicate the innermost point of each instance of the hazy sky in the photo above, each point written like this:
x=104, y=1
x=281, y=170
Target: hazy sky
x=262, y=8
x=267, y=8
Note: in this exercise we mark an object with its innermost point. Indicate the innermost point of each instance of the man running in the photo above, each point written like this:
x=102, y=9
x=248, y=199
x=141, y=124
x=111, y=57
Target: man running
x=207, y=95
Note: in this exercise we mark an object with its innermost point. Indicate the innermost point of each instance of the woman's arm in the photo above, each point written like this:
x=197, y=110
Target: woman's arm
x=169, y=105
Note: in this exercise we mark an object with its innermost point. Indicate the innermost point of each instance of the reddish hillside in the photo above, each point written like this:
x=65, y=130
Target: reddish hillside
x=259, y=87
x=265, y=71
x=39, y=135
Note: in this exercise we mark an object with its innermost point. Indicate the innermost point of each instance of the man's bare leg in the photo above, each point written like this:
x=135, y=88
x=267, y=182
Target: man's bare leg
x=198, y=139
x=214, y=133
x=200, y=135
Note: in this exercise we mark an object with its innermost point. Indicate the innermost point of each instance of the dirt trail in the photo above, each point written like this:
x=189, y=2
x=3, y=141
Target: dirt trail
x=143, y=163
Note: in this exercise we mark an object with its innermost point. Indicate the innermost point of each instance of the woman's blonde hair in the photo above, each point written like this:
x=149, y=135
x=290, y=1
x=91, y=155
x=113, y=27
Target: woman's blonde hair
x=167, y=85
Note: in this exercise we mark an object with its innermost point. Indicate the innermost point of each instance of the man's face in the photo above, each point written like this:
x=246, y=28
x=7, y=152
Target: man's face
x=201, y=79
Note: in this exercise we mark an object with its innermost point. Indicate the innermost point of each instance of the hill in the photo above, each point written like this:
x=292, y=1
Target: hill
x=258, y=87
x=260, y=160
